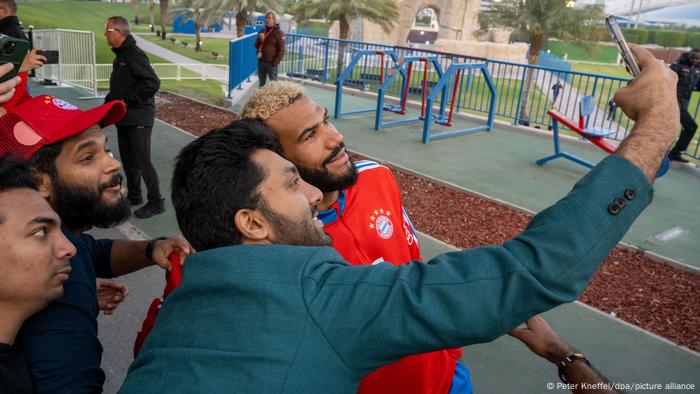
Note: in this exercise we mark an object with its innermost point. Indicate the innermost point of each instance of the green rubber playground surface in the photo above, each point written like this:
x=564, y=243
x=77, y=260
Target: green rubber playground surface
x=500, y=164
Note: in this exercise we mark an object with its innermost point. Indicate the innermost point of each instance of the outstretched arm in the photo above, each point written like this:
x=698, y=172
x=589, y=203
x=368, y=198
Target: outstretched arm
x=649, y=100
x=539, y=337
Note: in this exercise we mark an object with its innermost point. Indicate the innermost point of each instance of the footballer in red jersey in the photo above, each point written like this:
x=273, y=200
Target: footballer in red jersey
x=362, y=211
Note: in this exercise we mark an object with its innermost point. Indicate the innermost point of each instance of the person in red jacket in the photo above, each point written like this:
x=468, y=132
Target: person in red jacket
x=270, y=48
x=363, y=213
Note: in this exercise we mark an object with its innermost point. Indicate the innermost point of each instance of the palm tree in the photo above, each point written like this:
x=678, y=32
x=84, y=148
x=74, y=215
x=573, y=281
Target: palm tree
x=151, y=16
x=163, y=14
x=136, y=5
x=537, y=21
x=382, y=12
x=202, y=13
x=243, y=7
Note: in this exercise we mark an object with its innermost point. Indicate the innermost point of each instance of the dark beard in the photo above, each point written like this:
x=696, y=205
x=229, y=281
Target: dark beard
x=323, y=180
x=80, y=207
x=291, y=232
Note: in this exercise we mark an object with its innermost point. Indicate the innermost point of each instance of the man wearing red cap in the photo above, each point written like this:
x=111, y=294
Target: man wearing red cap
x=80, y=179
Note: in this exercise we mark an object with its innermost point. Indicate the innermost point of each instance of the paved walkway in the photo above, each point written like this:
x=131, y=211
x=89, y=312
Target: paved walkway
x=625, y=354
x=216, y=72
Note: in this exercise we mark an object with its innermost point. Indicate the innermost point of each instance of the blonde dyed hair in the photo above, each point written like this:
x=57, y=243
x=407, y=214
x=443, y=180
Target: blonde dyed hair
x=271, y=98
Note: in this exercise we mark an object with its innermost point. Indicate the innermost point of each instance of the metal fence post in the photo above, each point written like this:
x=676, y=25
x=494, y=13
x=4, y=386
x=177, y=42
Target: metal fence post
x=325, y=60
x=520, y=97
x=93, y=67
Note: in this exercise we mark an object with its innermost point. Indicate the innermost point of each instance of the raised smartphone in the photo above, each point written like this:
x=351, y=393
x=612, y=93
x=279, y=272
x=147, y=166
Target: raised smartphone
x=51, y=56
x=622, y=46
x=12, y=50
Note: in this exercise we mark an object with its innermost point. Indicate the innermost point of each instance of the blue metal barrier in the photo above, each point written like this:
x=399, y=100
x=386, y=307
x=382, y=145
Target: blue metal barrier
x=454, y=72
x=366, y=75
x=510, y=80
x=243, y=61
x=404, y=67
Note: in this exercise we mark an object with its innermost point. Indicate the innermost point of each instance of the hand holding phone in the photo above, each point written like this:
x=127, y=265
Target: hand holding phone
x=12, y=50
x=622, y=46
x=32, y=61
x=50, y=55
x=7, y=87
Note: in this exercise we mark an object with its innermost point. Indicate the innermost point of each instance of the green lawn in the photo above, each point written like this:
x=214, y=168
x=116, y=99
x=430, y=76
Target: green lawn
x=81, y=15
x=219, y=45
x=601, y=69
x=599, y=53
x=318, y=29
x=207, y=91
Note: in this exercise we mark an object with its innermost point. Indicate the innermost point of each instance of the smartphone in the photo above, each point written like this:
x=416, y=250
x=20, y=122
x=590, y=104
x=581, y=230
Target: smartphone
x=12, y=50
x=622, y=46
x=50, y=55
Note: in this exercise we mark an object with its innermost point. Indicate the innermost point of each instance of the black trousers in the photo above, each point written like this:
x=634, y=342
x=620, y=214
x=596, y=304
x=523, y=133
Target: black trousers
x=135, y=152
x=688, y=130
x=266, y=69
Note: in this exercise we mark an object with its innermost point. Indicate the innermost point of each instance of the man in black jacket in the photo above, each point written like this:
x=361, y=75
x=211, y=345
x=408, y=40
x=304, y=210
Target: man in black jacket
x=688, y=69
x=134, y=82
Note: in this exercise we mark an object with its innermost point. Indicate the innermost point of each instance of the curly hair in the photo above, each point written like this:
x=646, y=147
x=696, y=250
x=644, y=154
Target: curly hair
x=271, y=98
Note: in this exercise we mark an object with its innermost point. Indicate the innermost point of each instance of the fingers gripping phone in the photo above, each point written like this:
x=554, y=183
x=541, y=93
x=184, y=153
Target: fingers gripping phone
x=616, y=33
x=50, y=55
x=12, y=50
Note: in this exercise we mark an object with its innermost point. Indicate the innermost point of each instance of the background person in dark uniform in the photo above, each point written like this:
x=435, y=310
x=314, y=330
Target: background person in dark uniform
x=134, y=82
x=688, y=69
x=270, y=46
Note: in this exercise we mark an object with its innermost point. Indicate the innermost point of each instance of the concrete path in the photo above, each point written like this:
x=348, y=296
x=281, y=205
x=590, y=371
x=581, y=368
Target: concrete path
x=216, y=72
x=625, y=354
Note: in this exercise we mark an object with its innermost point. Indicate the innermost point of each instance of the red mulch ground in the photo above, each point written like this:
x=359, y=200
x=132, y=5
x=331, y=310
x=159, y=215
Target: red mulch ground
x=652, y=295
x=191, y=116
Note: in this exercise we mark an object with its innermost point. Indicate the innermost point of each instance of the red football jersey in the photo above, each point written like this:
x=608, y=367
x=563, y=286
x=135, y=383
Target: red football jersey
x=369, y=225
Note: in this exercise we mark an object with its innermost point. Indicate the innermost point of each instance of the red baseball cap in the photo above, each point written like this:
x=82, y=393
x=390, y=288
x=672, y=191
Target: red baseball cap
x=45, y=120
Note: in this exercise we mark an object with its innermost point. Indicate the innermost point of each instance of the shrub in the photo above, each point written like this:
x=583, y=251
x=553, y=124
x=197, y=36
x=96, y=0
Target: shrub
x=670, y=38
x=637, y=36
x=651, y=36
x=693, y=40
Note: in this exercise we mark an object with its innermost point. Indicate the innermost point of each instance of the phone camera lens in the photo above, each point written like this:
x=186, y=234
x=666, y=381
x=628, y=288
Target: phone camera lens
x=9, y=48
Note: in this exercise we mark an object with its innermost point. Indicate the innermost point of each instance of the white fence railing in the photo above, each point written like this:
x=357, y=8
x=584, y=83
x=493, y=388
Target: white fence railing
x=176, y=71
x=76, y=56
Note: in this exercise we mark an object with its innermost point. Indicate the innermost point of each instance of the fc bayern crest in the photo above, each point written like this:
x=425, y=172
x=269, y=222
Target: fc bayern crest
x=64, y=104
x=381, y=222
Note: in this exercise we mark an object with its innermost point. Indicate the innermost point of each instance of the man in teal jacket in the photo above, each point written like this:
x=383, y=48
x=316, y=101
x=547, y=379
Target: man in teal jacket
x=263, y=309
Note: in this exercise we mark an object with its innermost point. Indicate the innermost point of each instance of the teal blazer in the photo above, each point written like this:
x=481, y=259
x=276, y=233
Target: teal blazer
x=288, y=319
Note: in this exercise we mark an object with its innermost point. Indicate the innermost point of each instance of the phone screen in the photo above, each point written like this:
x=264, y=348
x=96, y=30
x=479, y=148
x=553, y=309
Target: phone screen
x=624, y=49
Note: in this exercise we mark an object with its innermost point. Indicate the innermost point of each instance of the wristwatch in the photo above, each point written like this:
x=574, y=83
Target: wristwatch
x=568, y=360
